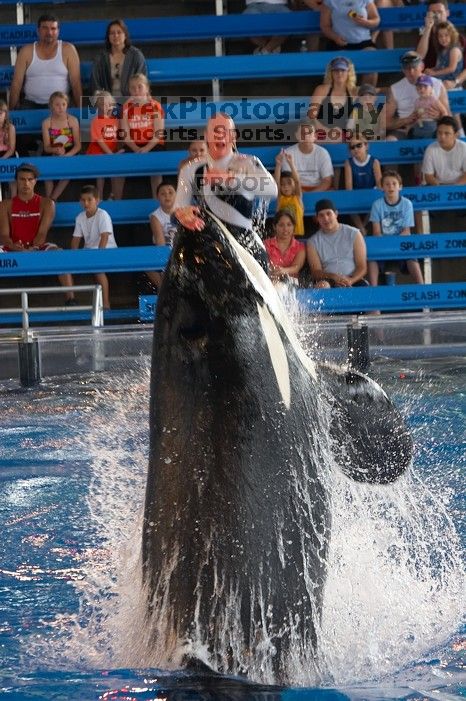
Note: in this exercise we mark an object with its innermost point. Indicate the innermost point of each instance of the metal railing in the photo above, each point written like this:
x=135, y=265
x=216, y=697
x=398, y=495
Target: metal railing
x=97, y=318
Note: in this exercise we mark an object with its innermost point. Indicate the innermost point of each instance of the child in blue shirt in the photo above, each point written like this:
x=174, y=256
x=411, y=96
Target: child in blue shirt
x=393, y=215
x=362, y=172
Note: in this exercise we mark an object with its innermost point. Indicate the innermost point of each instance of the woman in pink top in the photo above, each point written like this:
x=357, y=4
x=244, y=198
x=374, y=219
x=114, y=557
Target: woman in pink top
x=286, y=255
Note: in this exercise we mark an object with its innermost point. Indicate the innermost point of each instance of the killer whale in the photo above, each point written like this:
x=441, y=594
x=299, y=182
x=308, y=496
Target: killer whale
x=242, y=427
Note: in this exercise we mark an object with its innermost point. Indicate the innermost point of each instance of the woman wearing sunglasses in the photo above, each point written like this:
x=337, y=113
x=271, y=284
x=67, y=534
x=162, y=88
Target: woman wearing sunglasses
x=362, y=172
x=332, y=102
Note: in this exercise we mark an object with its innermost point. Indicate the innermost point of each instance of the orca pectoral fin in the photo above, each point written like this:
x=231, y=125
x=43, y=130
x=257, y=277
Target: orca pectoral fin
x=374, y=443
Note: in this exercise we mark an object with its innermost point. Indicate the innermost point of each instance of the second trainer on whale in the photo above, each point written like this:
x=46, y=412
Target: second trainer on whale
x=226, y=184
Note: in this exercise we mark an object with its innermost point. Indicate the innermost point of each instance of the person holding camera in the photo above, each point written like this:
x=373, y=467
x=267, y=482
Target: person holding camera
x=427, y=48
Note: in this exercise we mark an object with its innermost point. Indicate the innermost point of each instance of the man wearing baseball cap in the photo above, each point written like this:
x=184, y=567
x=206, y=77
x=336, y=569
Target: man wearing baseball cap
x=336, y=254
x=401, y=111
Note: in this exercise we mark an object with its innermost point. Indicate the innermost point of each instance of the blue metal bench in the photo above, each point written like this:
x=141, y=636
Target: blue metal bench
x=79, y=167
x=189, y=28
x=394, y=298
x=247, y=67
x=138, y=211
x=443, y=295
x=276, y=112
x=423, y=198
x=116, y=260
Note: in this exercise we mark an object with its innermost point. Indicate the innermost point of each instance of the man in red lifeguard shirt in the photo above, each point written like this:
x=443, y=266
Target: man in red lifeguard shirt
x=25, y=220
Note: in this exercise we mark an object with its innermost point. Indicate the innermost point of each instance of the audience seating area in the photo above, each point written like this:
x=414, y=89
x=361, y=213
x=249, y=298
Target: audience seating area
x=167, y=162
x=193, y=114
x=165, y=29
x=402, y=297
x=423, y=198
x=198, y=69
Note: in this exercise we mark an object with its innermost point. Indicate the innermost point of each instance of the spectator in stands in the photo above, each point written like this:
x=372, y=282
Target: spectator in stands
x=426, y=127
x=449, y=63
x=61, y=137
x=49, y=65
x=393, y=215
x=104, y=139
x=225, y=183
x=336, y=254
x=289, y=191
x=332, y=101
x=120, y=60
x=25, y=220
x=349, y=25
x=437, y=12
x=362, y=172
x=161, y=224
x=196, y=149
x=401, y=111
x=266, y=45
x=143, y=122
x=7, y=132
x=312, y=161
x=286, y=255
x=445, y=160
x=7, y=141
x=368, y=118
x=95, y=228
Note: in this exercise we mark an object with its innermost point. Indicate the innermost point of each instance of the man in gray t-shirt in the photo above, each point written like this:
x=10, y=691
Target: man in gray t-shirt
x=336, y=254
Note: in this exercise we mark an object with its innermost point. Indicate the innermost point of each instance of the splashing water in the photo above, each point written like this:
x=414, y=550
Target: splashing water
x=395, y=578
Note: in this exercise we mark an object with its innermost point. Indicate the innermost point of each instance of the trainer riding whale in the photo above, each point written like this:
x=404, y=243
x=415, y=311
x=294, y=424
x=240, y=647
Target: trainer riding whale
x=244, y=429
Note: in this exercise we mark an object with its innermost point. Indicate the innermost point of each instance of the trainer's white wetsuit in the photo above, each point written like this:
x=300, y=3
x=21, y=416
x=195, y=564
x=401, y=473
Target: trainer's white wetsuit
x=233, y=203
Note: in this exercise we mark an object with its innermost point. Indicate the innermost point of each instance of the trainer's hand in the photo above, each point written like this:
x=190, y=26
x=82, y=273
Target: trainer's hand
x=189, y=218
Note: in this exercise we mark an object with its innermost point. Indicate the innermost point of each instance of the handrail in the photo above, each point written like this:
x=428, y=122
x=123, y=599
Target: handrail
x=97, y=318
x=155, y=257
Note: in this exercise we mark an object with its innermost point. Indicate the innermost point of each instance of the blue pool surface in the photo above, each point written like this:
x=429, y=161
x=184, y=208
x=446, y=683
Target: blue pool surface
x=73, y=458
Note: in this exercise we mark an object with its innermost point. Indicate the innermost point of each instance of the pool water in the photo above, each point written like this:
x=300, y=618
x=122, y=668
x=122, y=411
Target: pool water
x=73, y=456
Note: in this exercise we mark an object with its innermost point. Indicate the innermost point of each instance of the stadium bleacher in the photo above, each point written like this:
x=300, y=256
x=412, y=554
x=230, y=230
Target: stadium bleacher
x=283, y=110
x=165, y=29
x=195, y=70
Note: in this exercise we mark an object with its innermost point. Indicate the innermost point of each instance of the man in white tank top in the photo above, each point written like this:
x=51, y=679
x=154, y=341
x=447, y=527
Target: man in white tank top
x=44, y=67
x=401, y=114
